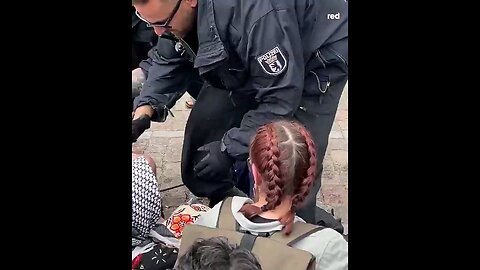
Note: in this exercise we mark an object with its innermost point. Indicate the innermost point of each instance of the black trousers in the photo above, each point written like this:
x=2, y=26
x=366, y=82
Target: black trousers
x=214, y=113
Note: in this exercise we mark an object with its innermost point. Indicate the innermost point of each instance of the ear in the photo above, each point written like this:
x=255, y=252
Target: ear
x=192, y=3
x=257, y=178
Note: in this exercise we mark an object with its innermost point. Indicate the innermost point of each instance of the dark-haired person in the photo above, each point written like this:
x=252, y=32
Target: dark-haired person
x=217, y=253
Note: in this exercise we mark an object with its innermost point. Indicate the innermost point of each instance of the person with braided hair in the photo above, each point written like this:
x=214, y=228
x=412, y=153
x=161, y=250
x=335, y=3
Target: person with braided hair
x=283, y=160
x=246, y=63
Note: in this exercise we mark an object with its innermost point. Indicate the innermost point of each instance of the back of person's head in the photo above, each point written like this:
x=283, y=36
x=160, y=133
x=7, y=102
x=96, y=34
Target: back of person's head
x=217, y=254
x=284, y=156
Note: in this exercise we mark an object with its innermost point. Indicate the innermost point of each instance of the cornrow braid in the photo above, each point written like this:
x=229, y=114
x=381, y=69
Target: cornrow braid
x=269, y=163
x=274, y=180
x=303, y=188
x=285, y=156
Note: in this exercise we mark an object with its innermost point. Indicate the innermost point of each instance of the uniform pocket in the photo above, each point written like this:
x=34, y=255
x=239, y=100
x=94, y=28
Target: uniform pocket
x=318, y=74
x=317, y=79
x=318, y=82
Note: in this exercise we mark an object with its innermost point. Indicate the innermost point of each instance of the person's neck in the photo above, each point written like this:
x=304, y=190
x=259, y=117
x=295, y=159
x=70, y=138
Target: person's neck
x=278, y=211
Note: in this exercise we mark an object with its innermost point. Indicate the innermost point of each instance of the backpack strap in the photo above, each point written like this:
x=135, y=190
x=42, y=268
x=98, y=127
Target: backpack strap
x=248, y=241
x=299, y=232
x=226, y=220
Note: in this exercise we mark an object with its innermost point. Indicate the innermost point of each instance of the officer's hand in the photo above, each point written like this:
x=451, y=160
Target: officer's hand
x=143, y=110
x=139, y=125
x=215, y=164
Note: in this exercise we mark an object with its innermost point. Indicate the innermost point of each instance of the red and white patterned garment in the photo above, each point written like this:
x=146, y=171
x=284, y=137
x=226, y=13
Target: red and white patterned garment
x=183, y=215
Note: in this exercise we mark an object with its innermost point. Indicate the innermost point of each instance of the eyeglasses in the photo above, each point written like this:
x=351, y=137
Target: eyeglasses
x=162, y=24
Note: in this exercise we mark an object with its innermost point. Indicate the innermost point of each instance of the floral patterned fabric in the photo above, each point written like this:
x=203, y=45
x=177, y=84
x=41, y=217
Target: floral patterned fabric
x=183, y=215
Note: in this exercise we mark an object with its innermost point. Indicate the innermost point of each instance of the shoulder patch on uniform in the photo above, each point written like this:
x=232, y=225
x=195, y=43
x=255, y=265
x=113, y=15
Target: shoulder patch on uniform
x=273, y=62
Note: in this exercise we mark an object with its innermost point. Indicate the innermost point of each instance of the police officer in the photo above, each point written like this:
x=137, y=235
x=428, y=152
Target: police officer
x=259, y=60
x=143, y=39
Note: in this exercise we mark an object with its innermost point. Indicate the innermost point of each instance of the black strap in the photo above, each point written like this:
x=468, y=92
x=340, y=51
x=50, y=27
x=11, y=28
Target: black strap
x=237, y=226
x=261, y=234
x=248, y=240
x=299, y=232
x=301, y=237
x=163, y=230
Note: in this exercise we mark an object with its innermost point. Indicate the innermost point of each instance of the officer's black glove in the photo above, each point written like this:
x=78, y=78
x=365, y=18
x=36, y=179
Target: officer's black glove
x=215, y=164
x=139, y=125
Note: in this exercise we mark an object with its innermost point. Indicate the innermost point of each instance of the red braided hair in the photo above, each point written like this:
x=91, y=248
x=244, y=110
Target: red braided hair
x=285, y=156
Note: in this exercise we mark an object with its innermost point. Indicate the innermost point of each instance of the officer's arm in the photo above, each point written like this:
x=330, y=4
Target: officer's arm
x=167, y=72
x=277, y=72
